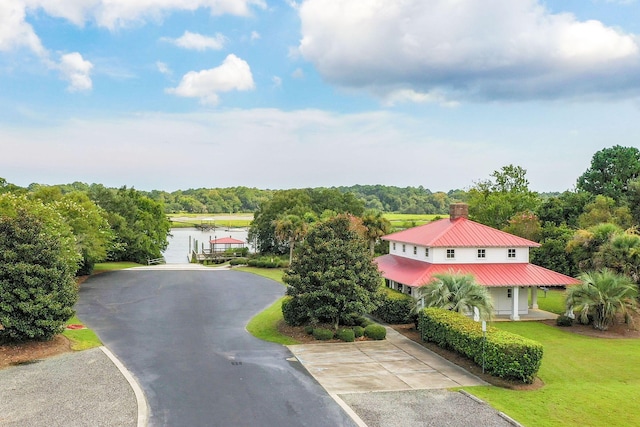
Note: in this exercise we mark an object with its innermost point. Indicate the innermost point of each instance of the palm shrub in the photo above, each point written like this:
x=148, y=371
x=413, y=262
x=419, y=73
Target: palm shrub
x=457, y=292
x=602, y=295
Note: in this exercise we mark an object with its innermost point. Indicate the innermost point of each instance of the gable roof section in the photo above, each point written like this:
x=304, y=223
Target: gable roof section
x=417, y=273
x=461, y=232
x=226, y=241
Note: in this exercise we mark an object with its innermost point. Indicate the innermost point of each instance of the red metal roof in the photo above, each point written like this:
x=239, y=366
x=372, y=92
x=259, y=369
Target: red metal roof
x=417, y=273
x=226, y=241
x=461, y=232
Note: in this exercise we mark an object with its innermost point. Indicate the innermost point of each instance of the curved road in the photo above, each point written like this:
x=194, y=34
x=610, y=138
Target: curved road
x=182, y=335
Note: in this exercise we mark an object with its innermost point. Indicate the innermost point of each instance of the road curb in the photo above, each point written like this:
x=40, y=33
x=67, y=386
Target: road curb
x=356, y=419
x=502, y=415
x=143, y=407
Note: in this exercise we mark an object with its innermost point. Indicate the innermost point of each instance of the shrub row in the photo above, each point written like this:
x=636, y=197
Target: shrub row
x=396, y=308
x=506, y=355
x=267, y=262
x=373, y=331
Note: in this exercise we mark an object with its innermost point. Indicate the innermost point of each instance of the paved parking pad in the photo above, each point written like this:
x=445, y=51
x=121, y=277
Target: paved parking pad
x=395, y=364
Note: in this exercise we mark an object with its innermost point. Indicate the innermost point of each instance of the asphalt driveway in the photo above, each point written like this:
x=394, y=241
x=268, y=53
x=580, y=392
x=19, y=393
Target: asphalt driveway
x=181, y=334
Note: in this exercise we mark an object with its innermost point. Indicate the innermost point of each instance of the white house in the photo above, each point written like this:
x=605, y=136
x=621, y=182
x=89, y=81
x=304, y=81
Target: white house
x=497, y=260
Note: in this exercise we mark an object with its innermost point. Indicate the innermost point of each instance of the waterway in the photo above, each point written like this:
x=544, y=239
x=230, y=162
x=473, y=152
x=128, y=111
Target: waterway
x=178, y=250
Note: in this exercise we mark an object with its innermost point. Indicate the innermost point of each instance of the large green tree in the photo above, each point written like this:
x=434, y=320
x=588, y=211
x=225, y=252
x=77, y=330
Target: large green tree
x=333, y=274
x=38, y=261
x=139, y=223
x=602, y=295
x=611, y=171
x=495, y=201
x=290, y=229
x=457, y=292
x=376, y=226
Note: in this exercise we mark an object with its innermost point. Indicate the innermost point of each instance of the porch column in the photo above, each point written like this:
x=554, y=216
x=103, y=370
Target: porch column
x=514, y=303
x=534, y=297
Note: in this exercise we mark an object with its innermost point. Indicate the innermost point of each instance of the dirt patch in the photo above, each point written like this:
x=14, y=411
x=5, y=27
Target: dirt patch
x=32, y=351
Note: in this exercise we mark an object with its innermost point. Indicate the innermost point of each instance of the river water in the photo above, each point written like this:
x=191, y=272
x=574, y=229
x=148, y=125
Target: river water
x=178, y=250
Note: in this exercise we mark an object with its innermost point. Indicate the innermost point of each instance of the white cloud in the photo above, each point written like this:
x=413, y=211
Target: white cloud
x=15, y=32
x=233, y=74
x=465, y=49
x=298, y=73
x=255, y=35
x=163, y=68
x=277, y=81
x=195, y=41
x=77, y=71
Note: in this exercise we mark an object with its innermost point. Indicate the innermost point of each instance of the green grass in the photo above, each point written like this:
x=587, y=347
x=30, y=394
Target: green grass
x=588, y=381
x=269, y=273
x=81, y=339
x=403, y=221
x=553, y=301
x=265, y=325
x=110, y=266
x=187, y=220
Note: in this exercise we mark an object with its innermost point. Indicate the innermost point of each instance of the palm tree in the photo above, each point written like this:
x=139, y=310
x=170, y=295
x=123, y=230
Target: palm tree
x=457, y=292
x=376, y=227
x=602, y=295
x=290, y=228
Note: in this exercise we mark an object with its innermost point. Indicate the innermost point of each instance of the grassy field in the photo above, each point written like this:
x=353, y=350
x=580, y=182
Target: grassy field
x=111, y=266
x=588, y=381
x=403, y=221
x=186, y=220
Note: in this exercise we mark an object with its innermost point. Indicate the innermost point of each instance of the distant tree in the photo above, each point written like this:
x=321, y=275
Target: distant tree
x=602, y=295
x=333, y=274
x=552, y=253
x=376, y=226
x=585, y=244
x=603, y=209
x=38, y=260
x=6, y=187
x=563, y=209
x=457, y=292
x=526, y=225
x=302, y=203
x=493, y=202
x=611, y=171
x=633, y=198
x=290, y=229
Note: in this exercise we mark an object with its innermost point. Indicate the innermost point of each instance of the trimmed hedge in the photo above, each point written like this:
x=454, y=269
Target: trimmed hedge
x=396, y=308
x=358, y=331
x=267, y=262
x=346, y=335
x=239, y=261
x=322, y=334
x=506, y=355
x=375, y=332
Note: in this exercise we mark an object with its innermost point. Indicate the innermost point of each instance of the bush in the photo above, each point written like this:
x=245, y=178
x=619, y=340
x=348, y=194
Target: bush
x=506, y=355
x=308, y=329
x=267, y=262
x=564, y=321
x=346, y=335
x=293, y=313
x=396, y=308
x=322, y=334
x=375, y=332
x=358, y=331
x=239, y=261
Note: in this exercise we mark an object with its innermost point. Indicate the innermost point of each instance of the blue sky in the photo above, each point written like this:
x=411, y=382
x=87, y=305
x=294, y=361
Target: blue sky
x=177, y=94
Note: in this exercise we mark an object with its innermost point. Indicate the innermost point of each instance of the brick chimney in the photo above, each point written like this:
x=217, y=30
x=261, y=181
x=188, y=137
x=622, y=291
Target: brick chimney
x=458, y=210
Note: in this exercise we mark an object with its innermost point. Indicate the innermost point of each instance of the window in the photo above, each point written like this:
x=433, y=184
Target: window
x=482, y=253
x=451, y=253
x=394, y=246
x=409, y=290
x=508, y=292
x=415, y=250
x=404, y=248
x=511, y=253
x=426, y=252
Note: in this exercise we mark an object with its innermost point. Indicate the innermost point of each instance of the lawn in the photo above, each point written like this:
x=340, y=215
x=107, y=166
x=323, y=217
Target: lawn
x=111, y=266
x=553, y=301
x=588, y=381
x=81, y=339
x=403, y=221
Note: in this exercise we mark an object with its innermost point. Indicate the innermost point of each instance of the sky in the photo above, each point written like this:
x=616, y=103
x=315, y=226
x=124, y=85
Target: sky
x=273, y=94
